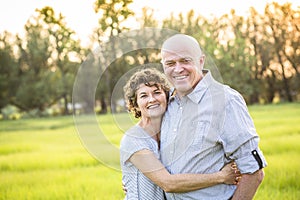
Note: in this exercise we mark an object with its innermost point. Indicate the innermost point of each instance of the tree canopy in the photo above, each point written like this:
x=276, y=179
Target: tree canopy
x=257, y=54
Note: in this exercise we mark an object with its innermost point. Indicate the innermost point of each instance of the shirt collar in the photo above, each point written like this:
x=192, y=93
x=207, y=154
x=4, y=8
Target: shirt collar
x=200, y=89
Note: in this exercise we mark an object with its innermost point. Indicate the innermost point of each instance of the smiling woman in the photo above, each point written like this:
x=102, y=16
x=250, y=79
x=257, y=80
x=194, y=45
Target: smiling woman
x=150, y=78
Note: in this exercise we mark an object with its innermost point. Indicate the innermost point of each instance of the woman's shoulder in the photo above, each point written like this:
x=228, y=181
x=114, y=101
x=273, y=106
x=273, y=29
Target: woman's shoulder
x=133, y=136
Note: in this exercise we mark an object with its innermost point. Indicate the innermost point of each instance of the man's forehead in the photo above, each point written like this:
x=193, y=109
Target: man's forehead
x=180, y=53
x=175, y=55
x=181, y=45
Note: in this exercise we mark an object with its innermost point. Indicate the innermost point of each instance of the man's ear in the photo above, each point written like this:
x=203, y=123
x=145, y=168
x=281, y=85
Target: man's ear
x=202, y=61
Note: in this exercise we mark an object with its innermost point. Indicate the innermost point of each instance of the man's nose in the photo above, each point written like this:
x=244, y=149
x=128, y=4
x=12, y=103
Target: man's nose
x=178, y=67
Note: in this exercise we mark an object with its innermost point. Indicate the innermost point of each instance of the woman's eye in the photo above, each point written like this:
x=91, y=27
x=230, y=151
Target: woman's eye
x=143, y=96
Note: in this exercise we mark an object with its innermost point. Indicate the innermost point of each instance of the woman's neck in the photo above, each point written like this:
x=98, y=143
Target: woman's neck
x=151, y=126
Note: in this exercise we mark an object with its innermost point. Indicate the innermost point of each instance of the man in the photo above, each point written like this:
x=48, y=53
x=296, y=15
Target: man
x=206, y=125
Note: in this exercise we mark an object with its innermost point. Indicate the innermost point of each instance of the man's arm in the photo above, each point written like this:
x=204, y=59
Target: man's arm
x=248, y=185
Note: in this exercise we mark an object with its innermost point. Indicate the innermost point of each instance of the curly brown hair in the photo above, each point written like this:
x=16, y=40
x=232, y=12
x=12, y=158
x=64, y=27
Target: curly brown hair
x=149, y=77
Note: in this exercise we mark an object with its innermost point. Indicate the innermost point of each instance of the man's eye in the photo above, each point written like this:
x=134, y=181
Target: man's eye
x=170, y=64
x=185, y=61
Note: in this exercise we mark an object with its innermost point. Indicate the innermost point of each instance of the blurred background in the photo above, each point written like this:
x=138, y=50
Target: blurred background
x=64, y=57
x=254, y=44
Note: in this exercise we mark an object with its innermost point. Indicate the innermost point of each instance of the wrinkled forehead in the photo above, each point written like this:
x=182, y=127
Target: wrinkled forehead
x=180, y=46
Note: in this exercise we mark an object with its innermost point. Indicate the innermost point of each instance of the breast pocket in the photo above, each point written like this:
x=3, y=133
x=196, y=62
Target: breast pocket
x=199, y=131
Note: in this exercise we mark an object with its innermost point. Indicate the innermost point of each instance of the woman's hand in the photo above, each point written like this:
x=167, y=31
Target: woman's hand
x=231, y=174
x=124, y=188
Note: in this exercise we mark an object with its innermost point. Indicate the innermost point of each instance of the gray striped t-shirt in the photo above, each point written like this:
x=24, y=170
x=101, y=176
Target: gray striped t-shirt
x=138, y=186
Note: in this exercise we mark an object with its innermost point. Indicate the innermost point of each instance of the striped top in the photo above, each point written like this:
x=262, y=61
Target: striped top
x=202, y=131
x=138, y=186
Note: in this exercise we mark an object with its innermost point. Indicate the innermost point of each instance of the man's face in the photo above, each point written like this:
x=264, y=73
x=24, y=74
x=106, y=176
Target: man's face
x=182, y=70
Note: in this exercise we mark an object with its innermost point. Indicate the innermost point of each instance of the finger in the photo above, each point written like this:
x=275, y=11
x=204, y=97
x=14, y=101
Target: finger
x=233, y=166
x=237, y=179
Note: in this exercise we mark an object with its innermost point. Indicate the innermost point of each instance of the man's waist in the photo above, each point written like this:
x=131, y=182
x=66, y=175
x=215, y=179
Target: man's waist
x=217, y=192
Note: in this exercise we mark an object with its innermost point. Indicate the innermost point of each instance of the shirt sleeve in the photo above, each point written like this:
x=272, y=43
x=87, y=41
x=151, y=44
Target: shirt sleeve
x=249, y=158
x=240, y=139
x=130, y=145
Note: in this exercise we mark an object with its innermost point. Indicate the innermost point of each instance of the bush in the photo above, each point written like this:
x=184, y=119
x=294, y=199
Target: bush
x=10, y=112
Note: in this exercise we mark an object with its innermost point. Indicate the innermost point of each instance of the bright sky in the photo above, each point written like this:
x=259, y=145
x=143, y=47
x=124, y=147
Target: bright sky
x=81, y=18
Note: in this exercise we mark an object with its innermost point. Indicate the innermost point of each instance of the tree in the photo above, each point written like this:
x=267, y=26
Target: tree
x=35, y=89
x=66, y=53
x=112, y=17
x=8, y=69
x=48, y=57
x=147, y=19
x=233, y=53
x=283, y=31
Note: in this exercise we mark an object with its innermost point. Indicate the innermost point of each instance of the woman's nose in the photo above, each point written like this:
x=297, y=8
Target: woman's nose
x=151, y=98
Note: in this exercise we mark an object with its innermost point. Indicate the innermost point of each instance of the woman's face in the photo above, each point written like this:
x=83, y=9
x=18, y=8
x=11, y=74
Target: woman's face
x=151, y=101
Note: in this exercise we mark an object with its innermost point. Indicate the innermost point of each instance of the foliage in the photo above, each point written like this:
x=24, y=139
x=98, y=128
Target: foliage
x=8, y=69
x=40, y=66
x=64, y=47
x=256, y=54
x=113, y=14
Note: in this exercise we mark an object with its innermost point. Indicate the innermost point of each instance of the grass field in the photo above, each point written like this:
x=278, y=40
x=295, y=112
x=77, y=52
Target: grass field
x=46, y=159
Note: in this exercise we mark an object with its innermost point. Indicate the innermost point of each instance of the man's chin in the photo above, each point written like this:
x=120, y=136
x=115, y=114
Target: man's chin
x=183, y=89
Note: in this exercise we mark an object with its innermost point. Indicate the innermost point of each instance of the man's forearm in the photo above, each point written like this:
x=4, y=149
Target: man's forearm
x=248, y=185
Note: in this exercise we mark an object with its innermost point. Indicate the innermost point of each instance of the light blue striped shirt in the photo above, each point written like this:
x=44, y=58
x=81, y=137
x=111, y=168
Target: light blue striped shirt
x=138, y=186
x=202, y=131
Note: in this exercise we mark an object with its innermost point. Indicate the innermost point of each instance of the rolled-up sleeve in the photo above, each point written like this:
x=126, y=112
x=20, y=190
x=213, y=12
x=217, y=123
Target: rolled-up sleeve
x=240, y=139
x=249, y=158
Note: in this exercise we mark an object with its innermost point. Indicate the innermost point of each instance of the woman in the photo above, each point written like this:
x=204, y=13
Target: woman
x=144, y=176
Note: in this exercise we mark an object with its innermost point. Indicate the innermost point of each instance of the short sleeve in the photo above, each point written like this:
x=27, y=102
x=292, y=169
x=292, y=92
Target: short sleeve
x=131, y=145
x=132, y=142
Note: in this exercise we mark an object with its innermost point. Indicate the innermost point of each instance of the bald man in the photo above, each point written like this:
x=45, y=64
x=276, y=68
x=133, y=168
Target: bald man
x=206, y=125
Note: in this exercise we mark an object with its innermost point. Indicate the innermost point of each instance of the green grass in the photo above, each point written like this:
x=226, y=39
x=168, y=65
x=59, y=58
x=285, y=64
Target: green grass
x=279, y=130
x=46, y=159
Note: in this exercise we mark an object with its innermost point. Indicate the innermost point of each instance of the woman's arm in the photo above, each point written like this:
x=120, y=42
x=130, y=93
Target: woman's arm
x=152, y=168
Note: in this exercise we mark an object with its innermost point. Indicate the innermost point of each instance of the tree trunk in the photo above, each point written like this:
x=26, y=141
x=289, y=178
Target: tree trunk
x=285, y=80
x=66, y=109
x=103, y=105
